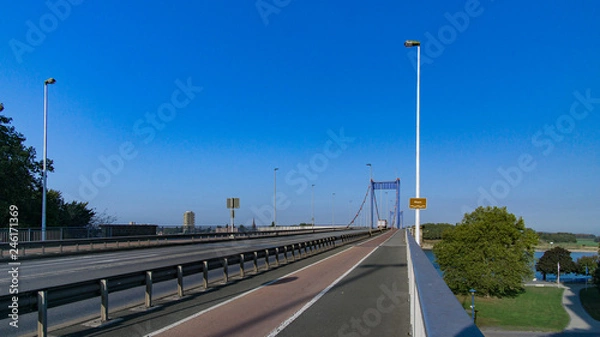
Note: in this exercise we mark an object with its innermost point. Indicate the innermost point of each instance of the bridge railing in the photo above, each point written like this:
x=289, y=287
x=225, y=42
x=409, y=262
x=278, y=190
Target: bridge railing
x=435, y=311
x=42, y=299
x=73, y=246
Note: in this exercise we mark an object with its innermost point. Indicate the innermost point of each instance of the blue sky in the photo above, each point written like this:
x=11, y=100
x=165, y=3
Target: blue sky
x=164, y=107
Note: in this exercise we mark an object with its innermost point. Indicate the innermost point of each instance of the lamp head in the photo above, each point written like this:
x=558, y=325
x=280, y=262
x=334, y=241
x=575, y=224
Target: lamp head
x=50, y=81
x=1, y=107
x=411, y=43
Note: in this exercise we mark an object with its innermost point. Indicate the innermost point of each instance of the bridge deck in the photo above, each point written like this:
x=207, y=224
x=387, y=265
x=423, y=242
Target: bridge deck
x=358, y=291
x=372, y=300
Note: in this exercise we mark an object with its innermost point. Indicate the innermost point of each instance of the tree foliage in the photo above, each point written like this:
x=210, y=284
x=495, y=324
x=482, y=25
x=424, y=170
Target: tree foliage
x=557, y=237
x=20, y=174
x=591, y=262
x=583, y=236
x=434, y=231
x=548, y=263
x=490, y=251
x=596, y=274
x=21, y=185
x=596, y=278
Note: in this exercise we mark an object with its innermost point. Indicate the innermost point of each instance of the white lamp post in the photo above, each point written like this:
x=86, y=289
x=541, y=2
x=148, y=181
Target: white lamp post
x=45, y=171
x=410, y=44
x=275, y=197
x=312, y=201
x=371, y=185
x=333, y=209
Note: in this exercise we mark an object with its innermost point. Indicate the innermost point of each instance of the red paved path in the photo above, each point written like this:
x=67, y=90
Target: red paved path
x=263, y=310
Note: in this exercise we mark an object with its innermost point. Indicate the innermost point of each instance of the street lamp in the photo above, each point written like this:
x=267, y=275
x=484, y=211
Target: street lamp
x=385, y=206
x=332, y=209
x=275, y=197
x=312, y=201
x=370, y=186
x=1, y=107
x=410, y=44
x=44, y=170
x=472, y=291
x=350, y=212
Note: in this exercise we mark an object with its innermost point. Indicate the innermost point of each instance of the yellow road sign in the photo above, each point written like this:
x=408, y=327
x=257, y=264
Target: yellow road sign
x=417, y=203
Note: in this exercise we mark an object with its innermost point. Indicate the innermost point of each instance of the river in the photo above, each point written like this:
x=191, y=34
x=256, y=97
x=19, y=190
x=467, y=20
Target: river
x=538, y=275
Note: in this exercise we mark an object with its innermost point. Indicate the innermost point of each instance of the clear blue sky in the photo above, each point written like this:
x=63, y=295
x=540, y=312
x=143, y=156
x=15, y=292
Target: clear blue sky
x=191, y=102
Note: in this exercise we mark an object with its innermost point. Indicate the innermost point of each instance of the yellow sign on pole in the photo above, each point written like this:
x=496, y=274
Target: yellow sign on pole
x=417, y=203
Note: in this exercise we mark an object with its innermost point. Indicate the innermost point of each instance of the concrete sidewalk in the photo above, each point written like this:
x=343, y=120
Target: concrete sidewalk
x=581, y=321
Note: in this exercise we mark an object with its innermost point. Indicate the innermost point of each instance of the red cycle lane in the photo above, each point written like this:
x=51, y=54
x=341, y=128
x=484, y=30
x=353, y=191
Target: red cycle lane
x=260, y=311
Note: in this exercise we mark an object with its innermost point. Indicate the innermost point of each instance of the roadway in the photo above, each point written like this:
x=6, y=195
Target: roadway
x=356, y=290
x=47, y=272
x=53, y=271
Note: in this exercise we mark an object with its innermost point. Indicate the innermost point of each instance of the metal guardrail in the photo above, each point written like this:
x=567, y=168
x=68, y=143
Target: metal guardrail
x=74, y=246
x=435, y=311
x=42, y=299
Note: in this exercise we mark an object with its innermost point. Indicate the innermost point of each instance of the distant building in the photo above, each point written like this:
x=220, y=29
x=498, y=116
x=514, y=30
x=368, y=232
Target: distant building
x=189, y=222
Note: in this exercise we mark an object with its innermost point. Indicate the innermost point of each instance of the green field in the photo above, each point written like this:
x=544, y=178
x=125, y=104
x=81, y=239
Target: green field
x=582, y=244
x=537, y=309
x=587, y=243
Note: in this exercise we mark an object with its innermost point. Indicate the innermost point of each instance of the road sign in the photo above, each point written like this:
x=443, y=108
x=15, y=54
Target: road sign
x=417, y=203
x=233, y=203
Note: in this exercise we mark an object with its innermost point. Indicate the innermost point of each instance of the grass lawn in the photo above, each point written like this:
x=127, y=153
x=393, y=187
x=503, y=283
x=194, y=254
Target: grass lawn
x=537, y=309
x=590, y=299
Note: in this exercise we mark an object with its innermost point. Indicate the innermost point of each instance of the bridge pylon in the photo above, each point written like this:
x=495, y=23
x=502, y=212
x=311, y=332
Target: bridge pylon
x=386, y=185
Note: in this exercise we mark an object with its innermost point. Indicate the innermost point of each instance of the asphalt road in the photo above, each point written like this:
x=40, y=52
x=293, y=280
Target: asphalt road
x=370, y=293
x=372, y=300
x=54, y=271
x=48, y=272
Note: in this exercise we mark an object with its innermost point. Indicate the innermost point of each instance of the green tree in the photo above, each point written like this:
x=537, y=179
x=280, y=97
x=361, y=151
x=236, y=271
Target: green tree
x=596, y=278
x=591, y=262
x=20, y=176
x=548, y=263
x=596, y=274
x=434, y=231
x=558, y=237
x=21, y=185
x=490, y=251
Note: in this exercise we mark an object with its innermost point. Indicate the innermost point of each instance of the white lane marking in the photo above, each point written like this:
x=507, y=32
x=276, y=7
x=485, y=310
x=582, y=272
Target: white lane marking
x=168, y=327
x=297, y=314
x=198, y=314
x=93, y=258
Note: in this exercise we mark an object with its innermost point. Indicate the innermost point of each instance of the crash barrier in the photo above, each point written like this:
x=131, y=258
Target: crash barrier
x=32, y=249
x=41, y=300
x=434, y=310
